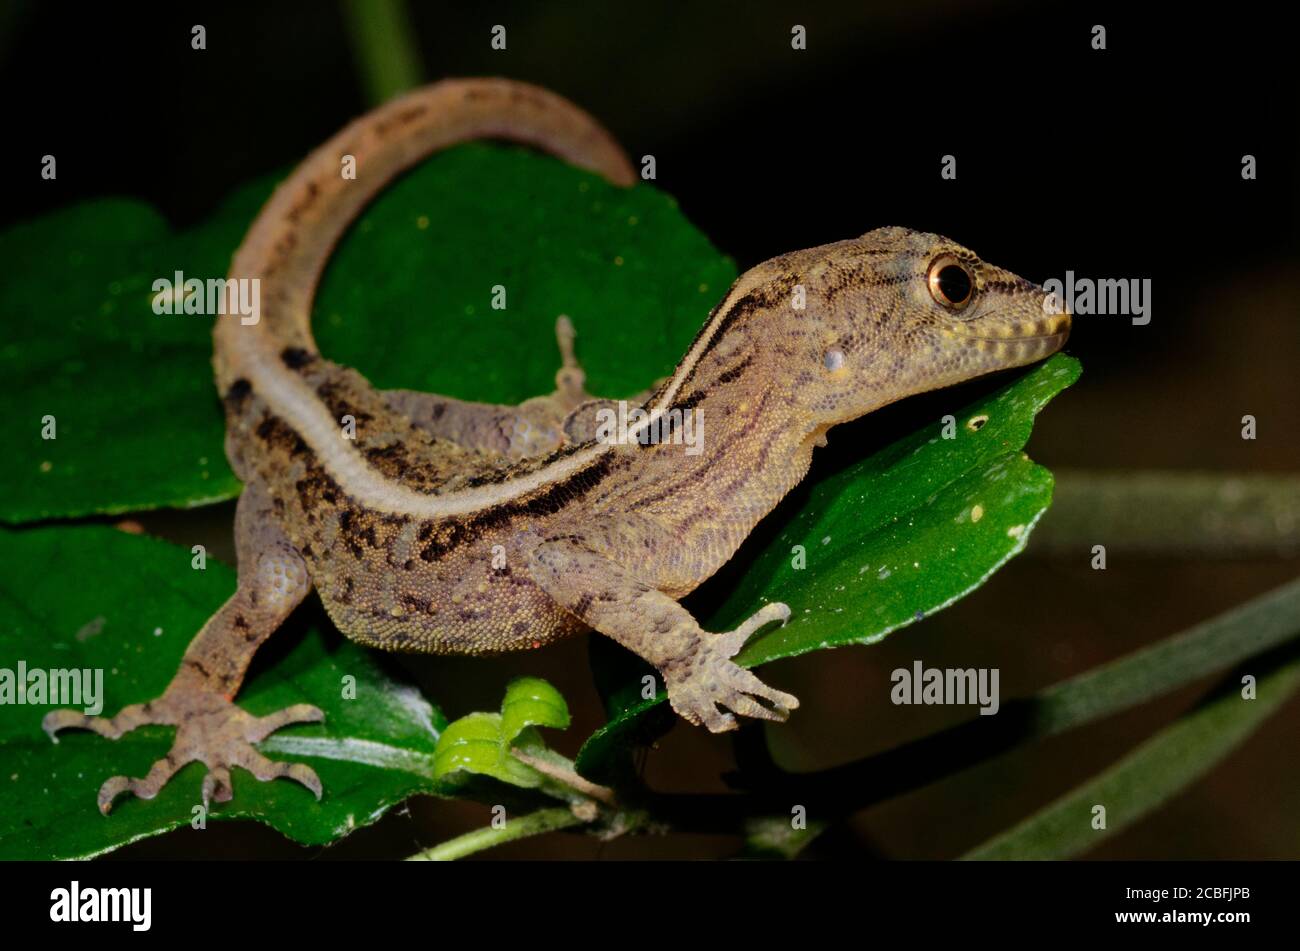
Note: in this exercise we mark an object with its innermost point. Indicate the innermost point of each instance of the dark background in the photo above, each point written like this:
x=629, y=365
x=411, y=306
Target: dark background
x=1117, y=163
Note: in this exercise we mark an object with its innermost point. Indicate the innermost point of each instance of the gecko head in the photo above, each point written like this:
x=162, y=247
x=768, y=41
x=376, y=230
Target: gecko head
x=898, y=312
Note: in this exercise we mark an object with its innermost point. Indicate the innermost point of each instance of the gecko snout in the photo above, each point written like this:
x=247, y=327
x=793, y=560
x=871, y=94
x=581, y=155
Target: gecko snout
x=1013, y=327
x=1033, y=336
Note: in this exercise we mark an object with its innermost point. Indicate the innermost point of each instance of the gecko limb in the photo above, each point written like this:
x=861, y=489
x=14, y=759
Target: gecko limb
x=696, y=665
x=533, y=428
x=536, y=427
x=210, y=728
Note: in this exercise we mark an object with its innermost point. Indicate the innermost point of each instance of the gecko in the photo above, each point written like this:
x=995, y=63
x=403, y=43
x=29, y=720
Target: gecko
x=443, y=526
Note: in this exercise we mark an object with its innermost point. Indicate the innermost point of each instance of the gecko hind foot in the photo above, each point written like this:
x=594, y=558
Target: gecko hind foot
x=570, y=379
x=209, y=729
x=707, y=679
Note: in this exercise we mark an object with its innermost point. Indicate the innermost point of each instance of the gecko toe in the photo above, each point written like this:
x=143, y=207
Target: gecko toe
x=217, y=786
x=699, y=707
x=721, y=722
x=148, y=787
x=298, y=713
x=267, y=769
x=112, y=788
x=781, y=703
x=127, y=719
x=57, y=720
x=734, y=640
x=747, y=706
x=304, y=774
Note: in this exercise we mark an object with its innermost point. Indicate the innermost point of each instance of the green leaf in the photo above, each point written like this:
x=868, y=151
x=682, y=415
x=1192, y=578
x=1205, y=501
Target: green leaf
x=900, y=535
x=530, y=702
x=130, y=393
x=482, y=743
x=406, y=300
x=407, y=297
x=90, y=597
x=1153, y=772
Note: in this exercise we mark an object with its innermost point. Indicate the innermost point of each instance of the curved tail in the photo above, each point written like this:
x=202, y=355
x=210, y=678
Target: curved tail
x=288, y=245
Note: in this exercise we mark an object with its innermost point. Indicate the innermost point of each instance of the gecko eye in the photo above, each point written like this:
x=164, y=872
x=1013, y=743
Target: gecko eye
x=951, y=283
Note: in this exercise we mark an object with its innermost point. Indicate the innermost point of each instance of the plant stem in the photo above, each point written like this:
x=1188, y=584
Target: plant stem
x=535, y=823
x=383, y=43
x=1189, y=514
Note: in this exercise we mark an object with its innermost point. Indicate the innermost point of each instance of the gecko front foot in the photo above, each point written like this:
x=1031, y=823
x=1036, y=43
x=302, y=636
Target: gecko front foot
x=706, y=678
x=209, y=729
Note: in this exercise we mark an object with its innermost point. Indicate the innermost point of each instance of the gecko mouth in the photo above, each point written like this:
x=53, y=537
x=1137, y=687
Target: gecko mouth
x=1012, y=344
x=1018, y=338
x=1055, y=329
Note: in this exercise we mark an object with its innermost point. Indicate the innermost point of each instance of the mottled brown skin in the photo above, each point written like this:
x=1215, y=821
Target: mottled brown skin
x=453, y=527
